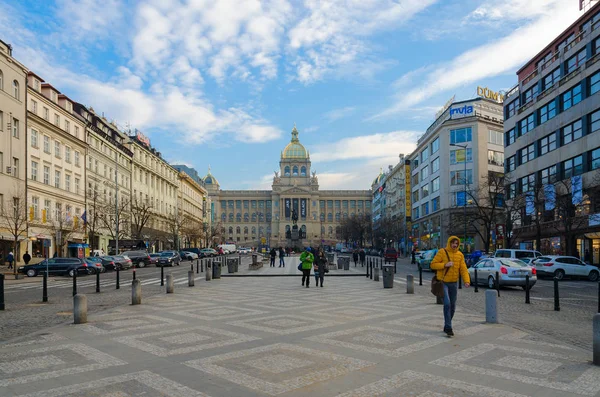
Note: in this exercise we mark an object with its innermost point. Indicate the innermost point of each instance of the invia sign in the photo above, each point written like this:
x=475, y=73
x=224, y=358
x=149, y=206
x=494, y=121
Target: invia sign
x=463, y=111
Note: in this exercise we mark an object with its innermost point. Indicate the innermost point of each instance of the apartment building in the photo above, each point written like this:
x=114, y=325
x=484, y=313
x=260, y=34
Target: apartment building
x=192, y=211
x=56, y=156
x=13, y=141
x=551, y=124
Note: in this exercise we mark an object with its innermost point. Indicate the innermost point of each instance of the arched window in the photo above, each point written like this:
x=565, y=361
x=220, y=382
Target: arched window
x=238, y=230
x=330, y=217
x=231, y=217
x=16, y=89
x=303, y=171
x=345, y=216
x=246, y=217
x=330, y=230
x=303, y=228
x=323, y=216
x=253, y=230
x=245, y=229
x=295, y=171
x=254, y=217
x=1, y=80
x=238, y=217
x=223, y=217
x=230, y=230
x=287, y=170
x=337, y=216
x=261, y=217
x=287, y=228
x=322, y=229
x=261, y=231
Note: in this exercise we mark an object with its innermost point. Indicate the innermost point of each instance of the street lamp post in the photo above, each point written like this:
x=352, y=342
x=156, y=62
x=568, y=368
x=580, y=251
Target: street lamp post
x=464, y=147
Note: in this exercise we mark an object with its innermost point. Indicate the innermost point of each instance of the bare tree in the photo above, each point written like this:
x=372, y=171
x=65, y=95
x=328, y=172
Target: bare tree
x=93, y=215
x=141, y=214
x=192, y=230
x=213, y=233
x=108, y=219
x=514, y=220
x=356, y=229
x=13, y=217
x=63, y=227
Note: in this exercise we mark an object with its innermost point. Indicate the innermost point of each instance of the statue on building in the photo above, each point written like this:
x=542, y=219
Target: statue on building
x=314, y=178
x=294, y=217
x=276, y=178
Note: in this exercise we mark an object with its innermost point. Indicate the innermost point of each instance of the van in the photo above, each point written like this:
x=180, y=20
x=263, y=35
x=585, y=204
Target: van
x=229, y=247
x=516, y=254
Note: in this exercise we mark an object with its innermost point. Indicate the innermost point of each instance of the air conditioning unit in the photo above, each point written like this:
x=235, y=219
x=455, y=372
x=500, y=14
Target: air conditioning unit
x=9, y=170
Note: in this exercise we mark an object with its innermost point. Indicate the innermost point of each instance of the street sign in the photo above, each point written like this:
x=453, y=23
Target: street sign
x=263, y=240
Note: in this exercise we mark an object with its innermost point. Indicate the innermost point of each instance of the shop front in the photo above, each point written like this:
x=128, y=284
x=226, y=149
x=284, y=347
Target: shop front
x=77, y=250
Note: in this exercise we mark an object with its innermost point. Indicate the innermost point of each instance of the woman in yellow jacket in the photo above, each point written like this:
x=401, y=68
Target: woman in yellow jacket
x=448, y=263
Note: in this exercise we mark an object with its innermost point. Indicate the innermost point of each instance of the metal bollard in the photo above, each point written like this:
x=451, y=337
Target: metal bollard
x=79, y=309
x=373, y=265
x=527, y=289
x=170, y=285
x=75, y=282
x=476, y=283
x=191, y=280
x=202, y=265
x=2, y=307
x=556, y=297
x=459, y=281
x=498, y=283
x=136, y=292
x=410, y=284
x=134, y=273
x=596, y=338
x=197, y=266
x=97, y=281
x=376, y=278
x=117, y=281
x=208, y=272
x=162, y=276
x=368, y=261
x=192, y=267
x=491, y=307
x=420, y=275
x=45, y=288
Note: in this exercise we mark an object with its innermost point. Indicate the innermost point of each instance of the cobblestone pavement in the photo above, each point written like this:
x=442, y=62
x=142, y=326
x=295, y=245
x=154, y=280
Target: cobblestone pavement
x=263, y=336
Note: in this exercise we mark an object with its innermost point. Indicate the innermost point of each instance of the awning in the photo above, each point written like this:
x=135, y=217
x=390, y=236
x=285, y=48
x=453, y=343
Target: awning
x=76, y=245
x=592, y=235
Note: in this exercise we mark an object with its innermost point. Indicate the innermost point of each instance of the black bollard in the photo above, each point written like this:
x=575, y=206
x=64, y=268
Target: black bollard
x=476, y=283
x=202, y=266
x=117, y=285
x=97, y=281
x=420, y=275
x=74, y=282
x=556, y=297
x=371, y=275
x=368, y=261
x=527, y=288
x=1, y=291
x=45, y=288
x=498, y=283
x=134, y=273
x=192, y=267
x=197, y=266
x=459, y=281
x=162, y=276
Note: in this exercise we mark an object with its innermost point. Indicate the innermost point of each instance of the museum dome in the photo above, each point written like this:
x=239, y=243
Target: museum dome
x=209, y=179
x=379, y=178
x=294, y=149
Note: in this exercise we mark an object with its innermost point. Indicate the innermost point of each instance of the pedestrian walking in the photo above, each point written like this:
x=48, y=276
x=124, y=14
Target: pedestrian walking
x=355, y=257
x=306, y=263
x=26, y=258
x=273, y=254
x=363, y=255
x=281, y=257
x=448, y=263
x=320, y=267
x=10, y=258
x=413, y=258
x=55, y=254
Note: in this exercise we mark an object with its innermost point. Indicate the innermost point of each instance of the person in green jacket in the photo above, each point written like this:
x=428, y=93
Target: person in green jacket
x=307, y=259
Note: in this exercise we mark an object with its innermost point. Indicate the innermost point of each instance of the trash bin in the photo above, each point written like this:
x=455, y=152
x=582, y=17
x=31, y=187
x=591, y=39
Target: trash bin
x=344, y=262
x=216, y=270
x=330, y=257
x=254, y=259
x=340, y=262
x=231, y=265
x=347, y=263
x=236, y=265
x=388, y=276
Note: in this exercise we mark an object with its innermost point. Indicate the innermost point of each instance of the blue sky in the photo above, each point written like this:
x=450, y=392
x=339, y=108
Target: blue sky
x=222, y=82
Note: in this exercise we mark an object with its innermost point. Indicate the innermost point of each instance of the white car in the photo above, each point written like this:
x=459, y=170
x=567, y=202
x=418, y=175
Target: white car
x=244, y=250
x=189, y=255
x=560, y=266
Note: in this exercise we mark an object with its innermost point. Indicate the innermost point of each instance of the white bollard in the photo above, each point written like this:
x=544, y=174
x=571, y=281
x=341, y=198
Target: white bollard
x=596, y=342
x=170, y=284
x=208, y=269
x=136, y=292
x=410, y=284
x=491, y=306
x=79, y=309
x=191, y=279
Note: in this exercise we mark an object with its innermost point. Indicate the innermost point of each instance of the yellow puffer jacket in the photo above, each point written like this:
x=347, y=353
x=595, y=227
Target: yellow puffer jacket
x=440, y=260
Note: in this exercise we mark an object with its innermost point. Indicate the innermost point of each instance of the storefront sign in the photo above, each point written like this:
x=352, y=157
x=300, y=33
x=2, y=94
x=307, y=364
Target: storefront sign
x=485, y=92
x=461, y=111
x=142, y=138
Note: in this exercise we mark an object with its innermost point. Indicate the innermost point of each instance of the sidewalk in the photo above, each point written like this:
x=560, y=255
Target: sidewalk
x=271, y=336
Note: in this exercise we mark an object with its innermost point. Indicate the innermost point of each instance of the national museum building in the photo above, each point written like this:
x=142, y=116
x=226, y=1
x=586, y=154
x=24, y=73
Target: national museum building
x=262, y=217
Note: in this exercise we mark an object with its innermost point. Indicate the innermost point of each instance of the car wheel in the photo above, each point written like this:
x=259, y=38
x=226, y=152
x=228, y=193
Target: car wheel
x=90, y=271
x=31, y=273
x=593, y=276
x=491, y=283
x=559, y=274
x=103, y=270
x=71, y=273
x=141, y=264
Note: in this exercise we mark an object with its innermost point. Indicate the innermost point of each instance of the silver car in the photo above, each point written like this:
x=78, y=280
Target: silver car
x=511, y=272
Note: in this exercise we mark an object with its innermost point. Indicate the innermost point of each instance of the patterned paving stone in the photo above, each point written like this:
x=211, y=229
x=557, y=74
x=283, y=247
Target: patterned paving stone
x=349, y=312
x=124, y=322
x=185, y=340
x=419, y=384
x=144, y=383
x=462, y=323
x=38, y=340
x=544, y=369
x=258, y=368
x=218, y=313
x=31, y=365
x=283, y=324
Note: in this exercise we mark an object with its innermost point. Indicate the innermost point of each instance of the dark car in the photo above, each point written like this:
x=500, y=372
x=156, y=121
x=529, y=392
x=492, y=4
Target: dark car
x=154, y=258
x=95, y=265
x=57, y=267
x=197, y=251
x=120, y=261
x=390, y=255
x=138, y=258
x=169, y=258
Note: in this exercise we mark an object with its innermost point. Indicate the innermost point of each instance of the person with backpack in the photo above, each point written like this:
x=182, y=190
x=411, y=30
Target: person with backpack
x=448, y=263
x=306, y=263
x=273, y=254
x=281, y=257
x=320, y=266
x=10, y=258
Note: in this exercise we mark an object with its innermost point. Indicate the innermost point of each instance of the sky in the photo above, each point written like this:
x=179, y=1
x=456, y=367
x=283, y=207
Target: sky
x=221, y=83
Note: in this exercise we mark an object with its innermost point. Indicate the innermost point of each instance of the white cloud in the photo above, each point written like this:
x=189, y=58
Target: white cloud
x=501, y=56
x=90, y=20
x=507, y=10
x=341, y=113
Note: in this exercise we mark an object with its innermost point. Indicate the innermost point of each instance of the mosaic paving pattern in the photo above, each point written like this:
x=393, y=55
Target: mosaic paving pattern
x=218, y=312
x=127, y=323
x=283, y=324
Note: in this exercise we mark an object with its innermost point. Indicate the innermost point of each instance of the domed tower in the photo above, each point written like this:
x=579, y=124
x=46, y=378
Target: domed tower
x=295, y=162
x=211, y=183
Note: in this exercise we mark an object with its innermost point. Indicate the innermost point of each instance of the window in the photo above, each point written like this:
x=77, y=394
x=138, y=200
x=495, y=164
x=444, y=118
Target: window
x=33, y=107
x=458, y=177
x=67, y=126
x=548, y=111
x=15, y=128
x=530, y=94
x=68, y=182
x=57, y=120
x=295, y=171
x=47, y=209
x=34, y=171
x=547, y=143
x=67, y=154
x=572, y=132
x=286, y=172
x=76, y=158
x=46, y=144
x=511, y=163
x=35, y=204
x=527, y=183
x=588, y=24
x=511, y=108
x=575, y=61
x=572, y=167
x=435, y=146
x=435, y=185
x=458, y=156
x=57, y=179
x=548, y=175
x=415, y=162
x=595, y=159
x=424, y=173
x=435, y=204
x=551, y=78
x=58, y=210
x=460, y=135
x=46, y=175
x=415, y=179
x=415, y=213
x=496, y=137
x=571, y=97
x=16, y=92
x=77, y=182
x=595, y=83
x=425, y=209
x=415, y=196
x=57, y=149
x=76, y=132
x=425, y=191
x=435, y=165
x=527, y=153
x=510, y=137
x=526, y=125
x=495, y=158
x=303, y=171
x=594, y=122
x=460, y=198
x=46, y=114
x=15, y=171
x=424, y=155
x=34, y=138
x=511, y=191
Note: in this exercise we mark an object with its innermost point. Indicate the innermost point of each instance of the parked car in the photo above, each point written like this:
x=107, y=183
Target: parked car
x=511, y=272
x=209, y=252
x=565, y=266
x=56, y=266
x=390, y=255
x=138, y=258
x=244, y=250
x=154, y=258
x=425, y=259
x=373, y=252
x=120, y=261
x=345, y=250
x=186, y=255
x=516, y=253
x=95, y=265
x=169, y=258
x=197, y=251
x=229, y=247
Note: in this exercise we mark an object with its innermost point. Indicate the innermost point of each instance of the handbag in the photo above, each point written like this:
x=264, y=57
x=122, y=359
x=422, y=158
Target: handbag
x=300, y=266
x=437, y=286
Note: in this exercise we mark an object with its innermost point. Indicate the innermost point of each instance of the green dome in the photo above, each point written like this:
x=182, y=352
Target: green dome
x=294, y=149
x=379, y=178
x=209, y=179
